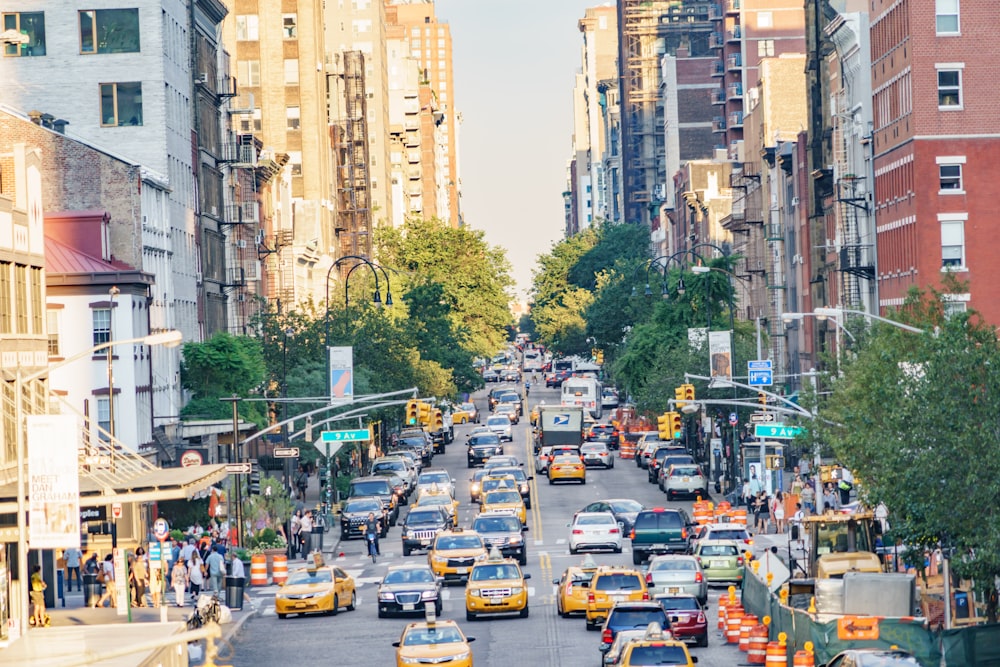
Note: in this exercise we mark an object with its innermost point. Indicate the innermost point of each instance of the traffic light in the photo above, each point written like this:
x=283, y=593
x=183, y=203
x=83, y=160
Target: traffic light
x=762, y=398
x=600, y=356
x=663, y=425
x=679, y=396
x=774, y=461
x=437, y=422
x=688, y=390
x=425, y=412
x=412, y=415
x=254, y=478
x=676, y=429
x=309, y=429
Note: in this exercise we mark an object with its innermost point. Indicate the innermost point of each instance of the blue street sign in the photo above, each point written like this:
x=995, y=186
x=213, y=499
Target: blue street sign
x=733, y=418
x=351, y=435
x=760, y=373
x=776, y=431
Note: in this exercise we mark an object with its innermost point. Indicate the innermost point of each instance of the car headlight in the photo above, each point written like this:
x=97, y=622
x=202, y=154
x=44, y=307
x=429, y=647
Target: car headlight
x=428, y=595
x=409, y=661
x=517, y=590
x=388, y=597
x=515, y=540
x=524, y=488
x=461, y=656
x=440, y=559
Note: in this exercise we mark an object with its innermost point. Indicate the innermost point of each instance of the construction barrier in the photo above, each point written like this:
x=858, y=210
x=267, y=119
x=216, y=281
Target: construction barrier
x=626, y=449
x=776, y=654
x=803, y=659
x=734, y=618
x=258, y=570
x=738, y=516
x=724, y=604
x=280, y=570
x=748, y=622
x=757, y=649
x=703, y=512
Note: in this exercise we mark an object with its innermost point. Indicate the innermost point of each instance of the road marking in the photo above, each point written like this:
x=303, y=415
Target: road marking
x=539, y=543
x=545, y=564
x=561, y=540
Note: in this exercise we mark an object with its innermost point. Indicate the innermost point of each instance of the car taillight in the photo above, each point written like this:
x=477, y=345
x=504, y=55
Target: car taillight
x=645, y=596
x=684, y=533
x=569, y=588
x=577, y=531
x=649, y=577
x=739, y=560
x=606, y=637
x=613, y=531
x=698, y=578
x=701, y=617
x=631, y=535
x=590, y=598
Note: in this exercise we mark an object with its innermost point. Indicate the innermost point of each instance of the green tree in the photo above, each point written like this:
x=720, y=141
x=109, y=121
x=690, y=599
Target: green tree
x=915, y=415
x=220, y=367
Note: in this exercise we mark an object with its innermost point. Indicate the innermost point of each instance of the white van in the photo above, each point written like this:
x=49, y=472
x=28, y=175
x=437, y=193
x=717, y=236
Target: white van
x=584, y=392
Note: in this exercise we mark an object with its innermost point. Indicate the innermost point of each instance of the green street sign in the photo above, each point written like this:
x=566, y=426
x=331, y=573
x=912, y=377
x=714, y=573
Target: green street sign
x=776, y=431
x=352, y=435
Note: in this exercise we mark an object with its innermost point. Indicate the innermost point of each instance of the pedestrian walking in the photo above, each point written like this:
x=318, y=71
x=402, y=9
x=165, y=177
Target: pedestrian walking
x=797, y=519
x=305, y=533
x=302, y=482
x=746, y=496
x=778, y=512
x=140, y=577
x=829, y=498
x=196, y=576
x=762, y=506
x=756, y=505
x=179, y=577
x=73, y=557
x=296, y=530
x=106, y=576
x=808, y=497
x=38, y=587
x=216, y=565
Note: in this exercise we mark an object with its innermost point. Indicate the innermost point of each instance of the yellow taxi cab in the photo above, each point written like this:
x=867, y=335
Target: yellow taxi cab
x=454, y=552
x=610, y=585
x=504, y=501
x=317, y=588
x=434, y=642
x=656, y=647
x=573, y=586
x=567, y=468
x=440, y=498
x=496, y=586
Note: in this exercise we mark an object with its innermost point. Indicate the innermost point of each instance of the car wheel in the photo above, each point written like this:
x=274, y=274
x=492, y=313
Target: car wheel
x=469, y=616
x=471, y=464
x=612, y=464
x=559, y=609
x=524, y=612
x=523, y=558
x=354, y=601
x=282, y=616
x=583, y=481
x=638, y=557
x=406, y=550
x=703, y=640
x=670, y=494
x=591, y=626
x=618, y=550
x=573, y=550
x=551, y=482
x=336, y=605
x=382, y=614
x=344, y=536
x=527, y=504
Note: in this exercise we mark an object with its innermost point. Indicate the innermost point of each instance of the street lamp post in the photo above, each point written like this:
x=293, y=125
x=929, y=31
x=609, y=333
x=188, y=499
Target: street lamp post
x=166, y=338
x=236, y=488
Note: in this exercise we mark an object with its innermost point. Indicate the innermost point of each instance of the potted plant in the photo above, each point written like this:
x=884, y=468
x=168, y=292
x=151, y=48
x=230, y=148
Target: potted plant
x=266, y=514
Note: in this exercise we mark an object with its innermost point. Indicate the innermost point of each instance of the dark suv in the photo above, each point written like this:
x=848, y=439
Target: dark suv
x=659, y=531
x=631, y=616
x=656, y=460
x=377, y=486
x=482, y=446
x=354, y=515
x=502, y=531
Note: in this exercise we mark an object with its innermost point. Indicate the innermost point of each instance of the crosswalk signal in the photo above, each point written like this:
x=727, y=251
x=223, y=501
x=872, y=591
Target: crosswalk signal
x=663, y=426
x=412, y=414
x=675, y=425
x=688, y=390
x=679, y=396
x=254, y=478
x=774, y=462
x=437, y=422
x=424, y=413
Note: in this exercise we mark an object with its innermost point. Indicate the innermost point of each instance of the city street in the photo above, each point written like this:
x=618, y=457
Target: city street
x=360, y=638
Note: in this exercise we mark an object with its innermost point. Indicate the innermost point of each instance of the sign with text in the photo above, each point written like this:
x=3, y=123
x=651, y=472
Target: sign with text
x=776, y=431
x=350, y=435
x=760, y=373
x=721, y=355
x=286, y=452
x=239, y=468
x=762, y=418
x=341, y=380
x=53, y=481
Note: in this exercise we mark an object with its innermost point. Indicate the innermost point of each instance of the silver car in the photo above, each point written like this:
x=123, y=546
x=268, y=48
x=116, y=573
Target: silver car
x=542, y=459
x=597, y=454
x=684, y=480
x=437, y=478
x=673, y=574
x=501, y=426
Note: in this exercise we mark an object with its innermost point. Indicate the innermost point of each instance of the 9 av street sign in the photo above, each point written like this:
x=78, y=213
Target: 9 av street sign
x=776, y=431
x=351, y=435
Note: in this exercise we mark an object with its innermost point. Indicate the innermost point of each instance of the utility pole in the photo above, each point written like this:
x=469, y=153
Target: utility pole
x=235, y=485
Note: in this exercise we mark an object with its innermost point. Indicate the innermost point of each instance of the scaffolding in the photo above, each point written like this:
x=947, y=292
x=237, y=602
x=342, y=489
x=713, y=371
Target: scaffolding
x=353, y=226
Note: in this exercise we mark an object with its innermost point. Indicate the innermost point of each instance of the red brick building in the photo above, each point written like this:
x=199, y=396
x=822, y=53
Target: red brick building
x=935, y=148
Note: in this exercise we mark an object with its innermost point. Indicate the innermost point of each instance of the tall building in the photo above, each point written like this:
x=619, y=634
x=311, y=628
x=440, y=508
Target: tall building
x=599, y=28
x=934, y=102
x=581, y=184
x=430, y=44
x=611, y=158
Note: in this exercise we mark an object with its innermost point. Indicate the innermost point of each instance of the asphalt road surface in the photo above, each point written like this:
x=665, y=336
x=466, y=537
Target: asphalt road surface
x=361, y=639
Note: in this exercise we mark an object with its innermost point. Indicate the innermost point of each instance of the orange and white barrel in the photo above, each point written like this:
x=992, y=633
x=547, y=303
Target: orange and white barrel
x=734, y=618
x=258, y=570
x=702, y=512
x=626, y=450
x=739, y=516
x=279, y=569
x=747, y=623
x=803, y=659
x=757, y=649
x=776, y=655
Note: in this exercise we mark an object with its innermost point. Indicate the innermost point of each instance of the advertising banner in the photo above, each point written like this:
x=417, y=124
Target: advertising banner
x=720, y=355
x=53, y=481
x=341, y=378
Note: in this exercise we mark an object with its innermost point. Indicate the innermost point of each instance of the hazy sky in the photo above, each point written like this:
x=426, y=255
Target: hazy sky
x=514, y=66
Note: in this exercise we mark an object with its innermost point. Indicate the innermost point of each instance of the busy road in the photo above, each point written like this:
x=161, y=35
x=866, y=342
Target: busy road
x=360, y=638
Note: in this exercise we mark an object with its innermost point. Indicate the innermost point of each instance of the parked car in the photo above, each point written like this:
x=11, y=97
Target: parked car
x=595, y=530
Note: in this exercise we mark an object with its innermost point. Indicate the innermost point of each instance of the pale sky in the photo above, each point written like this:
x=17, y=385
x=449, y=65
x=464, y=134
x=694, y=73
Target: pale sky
x=514, y=63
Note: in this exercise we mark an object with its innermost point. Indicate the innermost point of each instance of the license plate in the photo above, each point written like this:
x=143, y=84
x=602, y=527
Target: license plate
x=425, y=542
x=618, y=598
x=719, y=563
x=673, y=590
x=687, y=479
x=462, y=570
x=409, y=607
x=300, y=605
x=496, y=600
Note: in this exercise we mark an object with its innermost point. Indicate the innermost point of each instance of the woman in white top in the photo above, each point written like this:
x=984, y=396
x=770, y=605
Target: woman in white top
x=778, y=512
x=195, y=576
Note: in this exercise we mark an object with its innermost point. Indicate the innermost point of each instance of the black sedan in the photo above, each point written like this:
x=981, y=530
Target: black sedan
x=408, y=589
x=354, y=514
x=482, y=447
x=421, y=525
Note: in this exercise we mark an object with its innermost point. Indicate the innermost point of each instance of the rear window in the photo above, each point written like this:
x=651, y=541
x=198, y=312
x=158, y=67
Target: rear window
x=618, y=582
x=658, y=520
x=372, y=488
x=674, y=565
x=657, y=655
x=418, y=517
x=638, y=618
x=677, y=459
x=679, y=603
x=718, y=550
x=684, y=472
x=596, y=520
x=727, y=534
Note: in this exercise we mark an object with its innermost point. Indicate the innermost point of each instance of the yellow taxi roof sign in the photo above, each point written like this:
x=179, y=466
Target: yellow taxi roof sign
x=495, y=554
x=654, y=631
x=589, y=562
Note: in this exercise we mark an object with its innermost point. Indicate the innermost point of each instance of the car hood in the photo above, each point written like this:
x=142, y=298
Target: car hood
x=433, y=651
x=412, y=587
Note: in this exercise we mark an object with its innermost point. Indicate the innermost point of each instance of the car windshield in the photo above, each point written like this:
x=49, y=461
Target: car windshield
x=596, y=520
x=685, y=472
x=417, y=517
x=496, y=524
x=458, y=542
x=516, y=473
x=434, y=478
x=409, y=576
x=373, y=488
x=502, y=497
x=390, y=466
x=637, y=618
x=659, y=520
x=303, y=577
x=413, y=442
x=366, y=505
x=728, y=534
x=679, y=603
x=484, y=440
x=718, y=550
x=657, y=655
x=433, y=500
x=567, y=459
x=509, y=398
x=495, y=572
x=498, y=421
x=439, y=635
x=601, y=429
x=677, y=564
x=491, y=483
x=470, y=407
x=618, y=582
x=626, y=506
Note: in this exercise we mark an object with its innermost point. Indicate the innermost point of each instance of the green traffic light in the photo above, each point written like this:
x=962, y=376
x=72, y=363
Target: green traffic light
x=412, y=421
x=677, y=435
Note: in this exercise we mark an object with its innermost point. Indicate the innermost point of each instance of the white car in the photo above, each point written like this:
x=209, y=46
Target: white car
x=542, y=459
x=501, y=426
x=436, y=479
x=597, y=454
x=595, y=530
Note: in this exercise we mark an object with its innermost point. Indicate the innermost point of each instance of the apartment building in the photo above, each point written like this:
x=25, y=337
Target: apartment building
x=934, y=104
x=581, y=185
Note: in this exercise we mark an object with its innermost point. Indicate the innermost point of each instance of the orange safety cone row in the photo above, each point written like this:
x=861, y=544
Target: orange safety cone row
x=748, y=622
x=726, y=601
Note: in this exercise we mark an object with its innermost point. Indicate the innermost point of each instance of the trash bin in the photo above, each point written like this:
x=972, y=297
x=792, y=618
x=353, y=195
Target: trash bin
x=91, y=589
x=317, y=538
x=234, y=592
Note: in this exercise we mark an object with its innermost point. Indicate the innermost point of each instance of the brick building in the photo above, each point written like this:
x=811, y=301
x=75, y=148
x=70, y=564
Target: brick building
x=934, y=149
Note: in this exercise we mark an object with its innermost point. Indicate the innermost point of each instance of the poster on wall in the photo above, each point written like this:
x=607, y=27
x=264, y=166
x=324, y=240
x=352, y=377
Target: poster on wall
x=53, y=481
x=720, y=355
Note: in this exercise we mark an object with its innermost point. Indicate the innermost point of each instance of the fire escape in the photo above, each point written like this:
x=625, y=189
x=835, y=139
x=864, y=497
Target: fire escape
x=855, y=258
x=353, y=225
x=746, y=223
x=242, y=220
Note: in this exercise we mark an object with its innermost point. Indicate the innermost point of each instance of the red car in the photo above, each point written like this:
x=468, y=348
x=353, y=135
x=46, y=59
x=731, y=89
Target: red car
x=687, y=618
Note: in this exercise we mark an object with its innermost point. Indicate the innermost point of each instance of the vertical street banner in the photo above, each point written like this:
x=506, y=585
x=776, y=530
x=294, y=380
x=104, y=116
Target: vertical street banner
x=341, y=378
x=53, y=481
x=720, y=355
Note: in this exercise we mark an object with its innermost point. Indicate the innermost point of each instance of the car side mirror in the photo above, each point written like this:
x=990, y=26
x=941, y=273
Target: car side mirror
x=396, y=644
x=604, y=648
x=527, y=575
x=555, y=582
x=524, y=529
x=469, y=640
x=530, y=477
x=694, y=659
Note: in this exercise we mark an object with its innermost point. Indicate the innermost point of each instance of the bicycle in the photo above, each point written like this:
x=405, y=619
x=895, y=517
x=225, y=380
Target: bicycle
x=370, y=538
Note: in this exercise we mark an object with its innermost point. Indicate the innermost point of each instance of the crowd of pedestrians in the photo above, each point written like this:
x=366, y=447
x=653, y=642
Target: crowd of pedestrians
x=769, y=510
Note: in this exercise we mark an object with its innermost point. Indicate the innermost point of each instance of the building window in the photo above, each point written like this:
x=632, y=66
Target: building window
x=251, y=122
x=21, y=298
x=52, y=324
x=951, y=178
x=5, y=307
x=765, y=20
x=247, y=28
x=37, y=306
x=248, y=72
x=952, y=241
x=291, y=72
x=292, y=114
x=290, y=26
x=101, y=325
x=765, y=48
x=952, y=307
x=109, y=31
x=104, y=418
x=295, y=160
x=121, y=104
x=946, y=13
x=416, y=53
x=949, y=88
x=29, y=24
